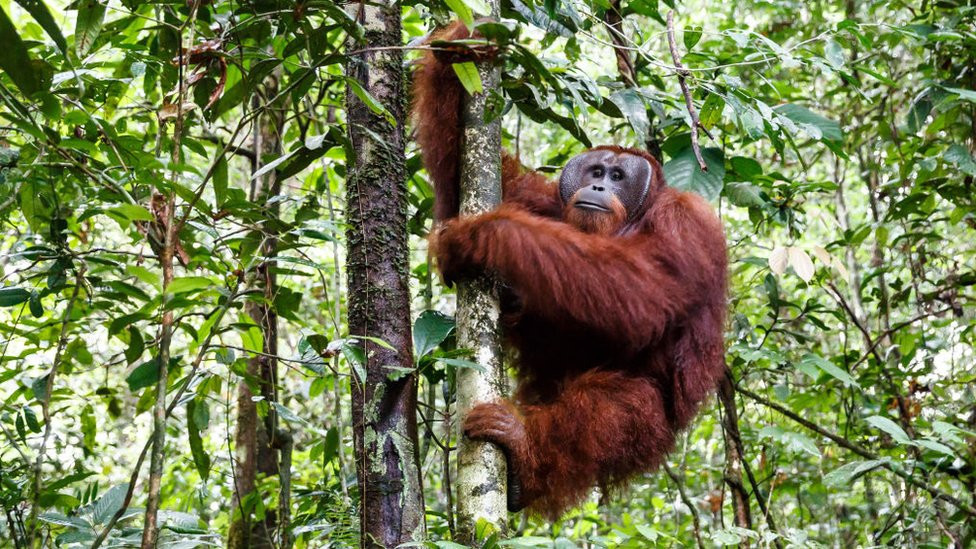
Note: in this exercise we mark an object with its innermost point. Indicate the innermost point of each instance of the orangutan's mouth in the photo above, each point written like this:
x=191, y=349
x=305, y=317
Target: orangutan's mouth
x=586, y=205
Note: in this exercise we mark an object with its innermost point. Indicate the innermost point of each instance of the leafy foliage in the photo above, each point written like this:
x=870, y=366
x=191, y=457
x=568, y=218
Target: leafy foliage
x=840, y=150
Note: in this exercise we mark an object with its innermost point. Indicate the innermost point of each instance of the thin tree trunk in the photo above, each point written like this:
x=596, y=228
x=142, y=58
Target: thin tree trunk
x=384, y=387
x=481, y=478
x=733, y=457
x=613, y=20
x=257, y=439
x=164, y=207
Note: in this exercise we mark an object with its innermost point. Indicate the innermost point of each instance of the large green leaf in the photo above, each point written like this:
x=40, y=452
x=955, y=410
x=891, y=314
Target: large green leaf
x=830, y=368
x=891, y=428
x=88, y=25
x=812, y=123
x=467, y=73
x=143, y=375
x=200, y=457
x=683, y=172
x=42, y=15
x=462, y=10
x=430, y=329
x=13, y=296
x=842, y=476
x=109, y=504
x=631, y=104
x=186, y=284
x=14, y=59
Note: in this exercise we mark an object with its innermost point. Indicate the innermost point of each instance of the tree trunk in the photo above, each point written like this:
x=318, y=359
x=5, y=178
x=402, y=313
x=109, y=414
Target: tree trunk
x=258, y=439
x=733, y=455
x=384, y=389
x=481, y=479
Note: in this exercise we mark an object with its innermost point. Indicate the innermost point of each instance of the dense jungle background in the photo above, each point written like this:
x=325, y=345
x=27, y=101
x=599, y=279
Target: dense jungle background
x=180, y=216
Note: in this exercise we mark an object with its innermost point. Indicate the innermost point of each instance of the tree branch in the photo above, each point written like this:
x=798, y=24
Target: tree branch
x=861, y=451
x=682, y=74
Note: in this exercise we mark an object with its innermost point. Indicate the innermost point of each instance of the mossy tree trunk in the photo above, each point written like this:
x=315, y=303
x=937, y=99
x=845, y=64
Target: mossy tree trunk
x=384, y=392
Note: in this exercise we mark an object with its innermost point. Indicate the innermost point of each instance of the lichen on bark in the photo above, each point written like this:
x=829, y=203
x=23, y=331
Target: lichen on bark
x=481, y=480
x=384, y=405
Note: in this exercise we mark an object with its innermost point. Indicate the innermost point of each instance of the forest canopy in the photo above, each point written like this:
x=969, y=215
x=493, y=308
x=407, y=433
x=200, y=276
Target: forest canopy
x=188, y=326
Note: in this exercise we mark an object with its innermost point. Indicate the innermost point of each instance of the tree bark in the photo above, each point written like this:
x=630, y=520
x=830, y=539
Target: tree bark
x=384, y=387
x=481, y=478
x=257, y=439
x=733, y=455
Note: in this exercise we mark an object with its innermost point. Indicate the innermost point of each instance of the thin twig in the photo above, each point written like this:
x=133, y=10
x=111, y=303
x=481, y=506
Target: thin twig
x=696, y=522
x=682, y=74
x=46, y=401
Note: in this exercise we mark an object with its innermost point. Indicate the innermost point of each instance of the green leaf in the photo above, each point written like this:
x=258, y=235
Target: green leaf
x=31, y=418
x=331, y=448
x=132, y=212
x=200, y=457
x=88, y=25
x=968, y=95
x=444, y=544
x=959, y=155
x=14, y=59
x=631, y=104
x=37, y=311
x=13, y=296
x=467, y=73
x=356, y=357
x=811, y=122
x=287, y=414
x=830, y=368
x=935, y=446
x=793, y=441
x=220, y=180
x=461, y=363
x=109, y=504
x=143, y=274
x=37, y=203
x=42, y=15
x=462, y=10
x=187, y=284
x=711, y=111
x=430, y=329
x=200, y=413
x=68, y=480
x=744, y=194
x=842, y=476
x=137, y=345
x=834, y=54
x=371, y=102
x=273, y=164
x=890, y=427
x=143, y=375
x=683, y=172
x=39, y=388
x=88, y=428
x=691, y=37
x=552, y=21
x=919, y=112
x=61, y=520
x=479, y=6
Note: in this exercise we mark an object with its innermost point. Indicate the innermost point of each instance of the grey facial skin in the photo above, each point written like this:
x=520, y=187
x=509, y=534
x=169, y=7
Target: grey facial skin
x=602, y=174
